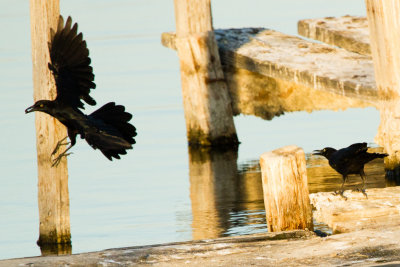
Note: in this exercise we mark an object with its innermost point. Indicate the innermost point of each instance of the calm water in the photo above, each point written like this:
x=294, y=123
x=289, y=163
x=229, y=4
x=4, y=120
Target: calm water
x=158, y=192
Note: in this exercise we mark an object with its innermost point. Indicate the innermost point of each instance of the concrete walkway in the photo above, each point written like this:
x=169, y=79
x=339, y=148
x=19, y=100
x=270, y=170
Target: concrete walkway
x=298, y=248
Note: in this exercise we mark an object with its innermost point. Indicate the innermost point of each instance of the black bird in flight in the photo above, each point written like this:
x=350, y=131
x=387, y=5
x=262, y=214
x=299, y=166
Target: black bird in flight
x=107, y=128
x=349, y=160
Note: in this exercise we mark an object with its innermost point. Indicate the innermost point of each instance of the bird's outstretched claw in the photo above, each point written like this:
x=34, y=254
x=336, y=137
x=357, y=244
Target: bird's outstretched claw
x=57, y=160
x=59, y=144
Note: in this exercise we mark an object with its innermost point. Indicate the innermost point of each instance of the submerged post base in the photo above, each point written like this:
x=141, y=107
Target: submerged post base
x=48, y=249
x=198, y=138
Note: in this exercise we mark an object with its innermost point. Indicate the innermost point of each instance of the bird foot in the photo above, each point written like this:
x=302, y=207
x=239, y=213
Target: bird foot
x=363, y=191
x=59, y=144
x=57, y=160
x=340, y=193
x=58, y=147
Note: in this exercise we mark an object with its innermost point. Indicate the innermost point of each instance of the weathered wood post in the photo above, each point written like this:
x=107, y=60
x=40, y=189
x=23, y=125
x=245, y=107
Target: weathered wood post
x=286, y=197
x=384, y=26
x=53, y=197
x=207, y=105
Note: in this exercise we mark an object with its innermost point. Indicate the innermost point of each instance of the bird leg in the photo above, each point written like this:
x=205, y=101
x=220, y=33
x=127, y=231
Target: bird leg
x=363, y=177
x=341, y=189
x=57, y=160
x=59, y=144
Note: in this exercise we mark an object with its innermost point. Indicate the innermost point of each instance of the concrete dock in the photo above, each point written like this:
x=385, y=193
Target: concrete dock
x=380, y=246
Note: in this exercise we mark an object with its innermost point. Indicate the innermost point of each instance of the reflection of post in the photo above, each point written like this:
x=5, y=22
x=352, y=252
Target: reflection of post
x=384, y=22
x=207, y=105
x=286, y=197
x=213, y=178
x=53, y=182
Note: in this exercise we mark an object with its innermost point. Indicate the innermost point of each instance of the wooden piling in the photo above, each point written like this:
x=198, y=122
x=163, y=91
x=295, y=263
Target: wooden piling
x=286, y=197
x=207, y=105
x=53, y=197
x=384, y=26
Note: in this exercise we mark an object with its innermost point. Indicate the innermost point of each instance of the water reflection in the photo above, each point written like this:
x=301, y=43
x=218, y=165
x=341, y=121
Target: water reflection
x=222, y=198
x=227, y=199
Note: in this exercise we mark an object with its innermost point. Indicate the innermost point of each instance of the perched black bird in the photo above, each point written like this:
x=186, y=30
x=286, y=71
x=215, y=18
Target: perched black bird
x=108, y=128
x=349, y=160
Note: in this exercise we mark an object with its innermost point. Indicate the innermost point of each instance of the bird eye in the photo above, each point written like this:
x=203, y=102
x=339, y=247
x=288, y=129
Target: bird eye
x=41, y=105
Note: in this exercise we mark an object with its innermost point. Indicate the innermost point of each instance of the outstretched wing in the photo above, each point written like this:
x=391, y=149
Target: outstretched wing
x=70, y=64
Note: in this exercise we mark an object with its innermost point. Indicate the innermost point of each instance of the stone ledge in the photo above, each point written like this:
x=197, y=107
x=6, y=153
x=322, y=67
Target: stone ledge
x=348, y=32
x=289, y=58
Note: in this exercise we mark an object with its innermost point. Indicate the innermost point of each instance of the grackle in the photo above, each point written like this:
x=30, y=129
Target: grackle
x=108, y=128
x=349, y=160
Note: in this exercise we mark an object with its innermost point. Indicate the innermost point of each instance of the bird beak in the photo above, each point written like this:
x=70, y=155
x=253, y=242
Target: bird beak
x=317, y=152
x=30, y=109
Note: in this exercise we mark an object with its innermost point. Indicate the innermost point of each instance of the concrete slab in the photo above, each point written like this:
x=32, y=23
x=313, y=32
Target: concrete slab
x=348, y=32
x=381, y=209
x=299, y=248
x=290, y=58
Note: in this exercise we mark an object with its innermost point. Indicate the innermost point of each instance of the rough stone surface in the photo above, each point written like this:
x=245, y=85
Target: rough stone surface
x=291, y=58
x=301, y=248
x=348, y=32
x=269, y=73
x=381, y=209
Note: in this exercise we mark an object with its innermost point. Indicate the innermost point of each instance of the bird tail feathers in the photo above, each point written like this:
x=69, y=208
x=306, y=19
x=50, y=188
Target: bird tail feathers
x=116, y=134
x=379, y=155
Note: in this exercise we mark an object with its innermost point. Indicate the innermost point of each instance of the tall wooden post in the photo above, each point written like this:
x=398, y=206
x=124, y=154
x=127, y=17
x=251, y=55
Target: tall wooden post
x=207, y=105
x=384, y=26
x=53, y=182
x=286, y=196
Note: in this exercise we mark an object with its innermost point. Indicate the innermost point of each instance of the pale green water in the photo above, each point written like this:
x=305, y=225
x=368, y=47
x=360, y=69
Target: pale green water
x=145, y=198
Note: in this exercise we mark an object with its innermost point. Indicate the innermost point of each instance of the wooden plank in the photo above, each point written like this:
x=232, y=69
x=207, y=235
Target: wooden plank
x=207, y=106
x=384, y=25
x=348, y=32
x=381, y=209
x=284, y=177
x=53, y=196
x=289, y=58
